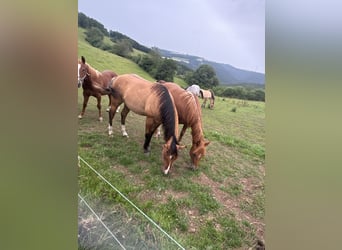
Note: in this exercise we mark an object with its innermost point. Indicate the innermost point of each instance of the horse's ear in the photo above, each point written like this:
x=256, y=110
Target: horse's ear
x=83, y=59
x=206, y=143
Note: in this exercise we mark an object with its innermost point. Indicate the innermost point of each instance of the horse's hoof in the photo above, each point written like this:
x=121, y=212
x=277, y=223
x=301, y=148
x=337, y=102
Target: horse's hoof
x=147, y=152
x=100, y=119
x=125, y=135
x=193, y=167
x=165, y=171
x=79, y=117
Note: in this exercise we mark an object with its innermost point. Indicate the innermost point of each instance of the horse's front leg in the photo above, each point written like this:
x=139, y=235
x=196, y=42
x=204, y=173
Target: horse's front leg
x=158, y=133
x=98, y=97
x=150, y=126
x=182, y=132
x=85, y=102
x=124, y=113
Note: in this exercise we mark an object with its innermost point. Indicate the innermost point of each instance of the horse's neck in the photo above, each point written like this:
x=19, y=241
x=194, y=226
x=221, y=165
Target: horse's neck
x=196, y=127
x=94, y=73
x=197, y=131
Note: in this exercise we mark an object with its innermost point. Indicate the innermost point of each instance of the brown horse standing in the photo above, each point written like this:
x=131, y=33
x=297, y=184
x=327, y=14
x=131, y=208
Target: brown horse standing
x=190, y=115
x=207, y=94
x=93, y=83
x=153, y=101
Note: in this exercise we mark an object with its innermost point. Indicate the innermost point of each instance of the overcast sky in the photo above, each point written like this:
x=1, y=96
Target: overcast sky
x=224, y=31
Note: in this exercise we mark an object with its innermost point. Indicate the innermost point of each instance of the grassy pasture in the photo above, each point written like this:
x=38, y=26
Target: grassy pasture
x=218, y=206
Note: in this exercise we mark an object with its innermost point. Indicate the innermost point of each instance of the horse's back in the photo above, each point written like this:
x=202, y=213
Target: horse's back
x=206, y=93
x=137, y=93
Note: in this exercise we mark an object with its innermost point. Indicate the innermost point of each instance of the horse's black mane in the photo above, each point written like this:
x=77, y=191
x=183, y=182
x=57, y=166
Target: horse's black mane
x=167, y=112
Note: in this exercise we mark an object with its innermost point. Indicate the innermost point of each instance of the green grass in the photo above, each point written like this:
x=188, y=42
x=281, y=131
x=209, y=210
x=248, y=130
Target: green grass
x=218, y=206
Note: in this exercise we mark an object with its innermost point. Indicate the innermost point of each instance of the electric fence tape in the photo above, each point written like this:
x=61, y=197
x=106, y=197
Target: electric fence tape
x=103, y=224
x=130, y=202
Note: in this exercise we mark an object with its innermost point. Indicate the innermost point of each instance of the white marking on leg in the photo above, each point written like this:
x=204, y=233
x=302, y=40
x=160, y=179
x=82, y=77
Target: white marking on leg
x=100, y=119
x=118, y=109
x=80, y=117
x=123, y=131
x=110, y=130
x=166, y=171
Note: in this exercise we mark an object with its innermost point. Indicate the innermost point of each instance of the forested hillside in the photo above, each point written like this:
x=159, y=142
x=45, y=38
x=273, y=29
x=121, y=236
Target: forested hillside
x=186, y=70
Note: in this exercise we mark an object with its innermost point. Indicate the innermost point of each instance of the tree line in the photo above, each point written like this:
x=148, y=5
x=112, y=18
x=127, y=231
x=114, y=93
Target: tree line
x=158, y=67
x=241, y=92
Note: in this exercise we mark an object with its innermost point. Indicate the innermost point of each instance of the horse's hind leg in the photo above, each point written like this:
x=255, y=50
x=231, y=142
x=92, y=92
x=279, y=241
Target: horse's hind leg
x=85, y=102
x=111, y=114
x=124, y=113
x=98, y=97
x=107, y=110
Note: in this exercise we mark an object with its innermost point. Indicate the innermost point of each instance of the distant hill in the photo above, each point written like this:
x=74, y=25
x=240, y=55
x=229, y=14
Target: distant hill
x=227, y=74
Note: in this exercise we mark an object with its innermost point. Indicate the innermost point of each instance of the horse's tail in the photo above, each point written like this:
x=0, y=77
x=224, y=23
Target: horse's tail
x=110, y=90
x=201, y=94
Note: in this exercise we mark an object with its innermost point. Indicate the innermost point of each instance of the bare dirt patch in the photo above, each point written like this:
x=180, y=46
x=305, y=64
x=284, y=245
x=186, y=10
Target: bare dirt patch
x=232, y=204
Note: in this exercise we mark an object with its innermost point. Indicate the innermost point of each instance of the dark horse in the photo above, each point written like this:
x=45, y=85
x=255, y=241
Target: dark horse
x=207, y=94
x=93, y=83
x=190, y=115
x=153, y=101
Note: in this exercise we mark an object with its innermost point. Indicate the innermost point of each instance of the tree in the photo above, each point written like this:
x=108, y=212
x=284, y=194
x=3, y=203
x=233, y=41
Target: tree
x=87, y=23
x=94, y=36
x=123, y=48
x=204, y=76
x=83, y=20
x=146, y=63
x=166, y=70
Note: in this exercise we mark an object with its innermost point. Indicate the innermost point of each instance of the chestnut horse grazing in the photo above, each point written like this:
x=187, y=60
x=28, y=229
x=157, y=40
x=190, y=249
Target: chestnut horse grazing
x=153, y=101
x=93, y=83
x=190, y=115
x=207, y=94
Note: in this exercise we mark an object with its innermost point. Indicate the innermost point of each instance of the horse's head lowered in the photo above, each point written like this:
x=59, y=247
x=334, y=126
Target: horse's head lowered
x=82, y=71
x=170, y=154
x=197, y=151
